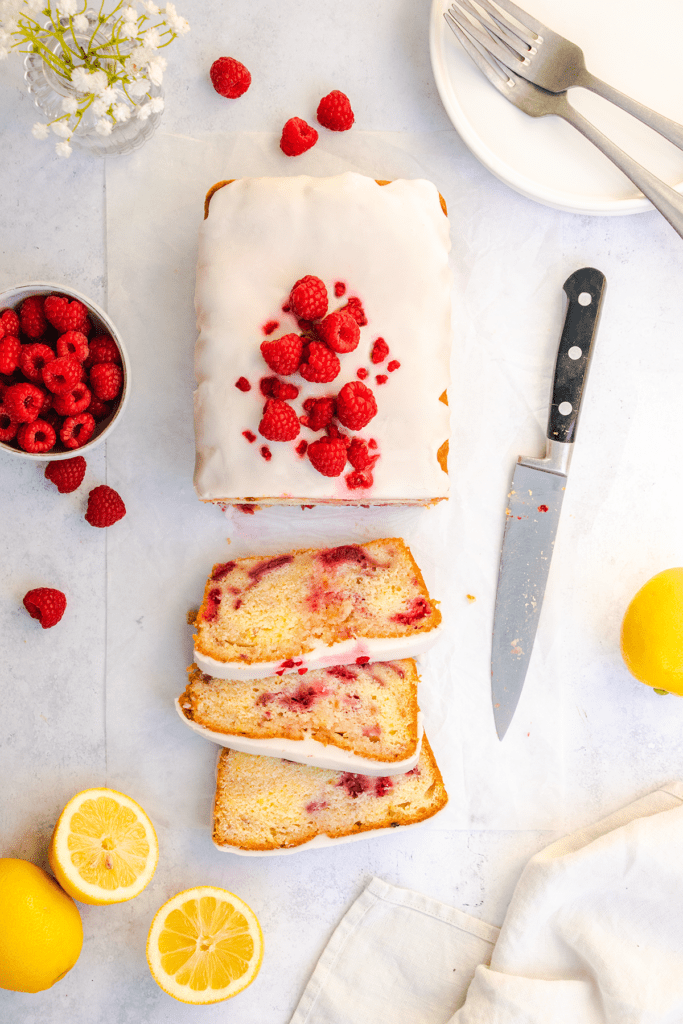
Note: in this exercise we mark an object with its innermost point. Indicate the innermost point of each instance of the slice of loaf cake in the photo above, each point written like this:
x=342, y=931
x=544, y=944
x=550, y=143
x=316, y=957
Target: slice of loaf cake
x=345, y=717
x=282, y=381
x=315, y=608
x=264, y=803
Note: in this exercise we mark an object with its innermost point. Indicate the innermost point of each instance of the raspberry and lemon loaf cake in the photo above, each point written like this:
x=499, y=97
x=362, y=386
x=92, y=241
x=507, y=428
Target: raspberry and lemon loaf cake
x=322, y=362
x=361, y=718
x=311, y=609
x=266, y=804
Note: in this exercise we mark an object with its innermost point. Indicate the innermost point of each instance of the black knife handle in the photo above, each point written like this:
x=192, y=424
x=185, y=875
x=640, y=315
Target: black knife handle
x=584, y=291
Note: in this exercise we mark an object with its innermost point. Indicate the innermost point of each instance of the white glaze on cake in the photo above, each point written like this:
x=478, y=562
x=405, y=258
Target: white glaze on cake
x=388, y=244
x=325, y=655
x=310, y=751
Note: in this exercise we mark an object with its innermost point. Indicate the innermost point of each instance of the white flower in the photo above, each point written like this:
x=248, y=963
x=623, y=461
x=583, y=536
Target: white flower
x=151, y=39
x=81, y=23
x=129, y=29
x=157, y=104
x=35, y=5
x=67, y=7
x=104, y=126
x=130, y=14
x=98, y=82
x=150, y=7
x=139, y=57
x=63, y=149
x=5, y=38
x=80, y=79
x=100, y=106
x=40, y=131
x=121, y=112
x=144, y=111
x=61, y=128
x=69, y=104
x=3, y=52
x=179, y=25
x=138, y=88
x=155, y=70
x=110, y=94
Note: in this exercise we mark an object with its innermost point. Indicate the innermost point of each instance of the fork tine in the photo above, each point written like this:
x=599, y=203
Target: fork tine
x=463, y=13
x=524, y=19
x=512, y=32
x=498, y=75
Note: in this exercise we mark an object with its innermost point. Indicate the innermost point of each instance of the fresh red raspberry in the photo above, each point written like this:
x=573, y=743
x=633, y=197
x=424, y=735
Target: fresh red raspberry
x=308, y=298
x=266, y=452
x=283, y=355
x=359, y=455
x=23, y=402
x=103, y=349
x=339, y=331
x=361, y=373
x=320, y=365
x=74, y=344
x=354, y=308
x=32, y=317
x=229, y=78
x=328, y=455
x=301, y=449
x=105, y=506
x=36, y=436
x=332, y=430
x=359, y=478
x=45, y=604
x=393, y=365
x=10, y=349
x=280, y=422
x=380, y=351
x=61, y=375
x=356, y=405
x=8, y=426
x=250, y=436
x=67, y=474
x=10, y=322
x=77, y=430
x=273, y=387
x=98, y=409
x=334, y=112
x=74, y=401
x=65, y=315
x=297, y=137
x=320, y=412
x=270, y=326
x=339, y=289
x=242, y=384
x=33, y=358
x=381, y=378
x=106, y=380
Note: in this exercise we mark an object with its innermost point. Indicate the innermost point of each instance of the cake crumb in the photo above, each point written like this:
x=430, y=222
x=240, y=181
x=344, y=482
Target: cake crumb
x=192, y=616
x=471, y=598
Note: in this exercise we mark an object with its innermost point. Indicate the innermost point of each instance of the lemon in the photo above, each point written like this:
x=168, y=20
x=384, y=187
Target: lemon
x=40, y=928
x=104, y=848
x=204, y=945
x=652, y=633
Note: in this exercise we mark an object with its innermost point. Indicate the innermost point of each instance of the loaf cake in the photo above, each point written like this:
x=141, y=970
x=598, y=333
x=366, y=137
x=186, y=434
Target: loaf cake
x=323, y=350
x=360, y=718
x=311, y=609
x=265, y=803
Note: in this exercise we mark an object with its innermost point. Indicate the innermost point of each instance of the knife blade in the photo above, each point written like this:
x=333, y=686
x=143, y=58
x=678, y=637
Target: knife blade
x=535, y=502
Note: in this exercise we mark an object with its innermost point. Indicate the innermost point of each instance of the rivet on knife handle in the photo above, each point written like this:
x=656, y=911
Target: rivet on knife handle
x=584, y=293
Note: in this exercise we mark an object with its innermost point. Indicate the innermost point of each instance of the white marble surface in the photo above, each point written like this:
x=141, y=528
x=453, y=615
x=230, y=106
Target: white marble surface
x=90, y=702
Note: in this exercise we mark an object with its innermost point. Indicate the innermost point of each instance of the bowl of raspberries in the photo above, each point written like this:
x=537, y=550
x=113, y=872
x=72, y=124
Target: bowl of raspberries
x=64, y=372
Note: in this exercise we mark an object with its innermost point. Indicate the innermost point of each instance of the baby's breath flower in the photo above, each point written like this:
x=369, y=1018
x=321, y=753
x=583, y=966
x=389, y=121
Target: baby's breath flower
x=61, y=128
x=150, y=7
x=69, y=104
x=157, y=104
x=121, y=112
x=138, y=87
x=130, y=14
x=98, y=82
x=104, y=126
x=129, y=29
x=4, y=52
x=100, y=106
x=151, y=38
x=144, y=111
x=63, y=149
x=80, y=79
x=40, y=131
x=67, y=7
x=155, y=69
x=81, y=23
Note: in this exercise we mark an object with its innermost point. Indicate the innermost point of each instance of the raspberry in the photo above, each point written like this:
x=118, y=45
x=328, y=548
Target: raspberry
x=270, y=327
x=10, y=322
x=280, y=422
x=74, y=401
x=308, y=298
x=359, y=455
x=354, y=308
x=33, y=358
x=339, y=288
x=98, y=409
x=229, y=78
x=273, y=387
x=328, y=455
x=106, y=380
x=74, y=344
x=320, y=412
x=250, y=436
x=334, y=112
x=319, y=365
x=339, y=331
x=36, y=436
x=8, y=426
x=32, y=317
x=380, y=351
x=301, y=450
x=332, y=430
x=103, y=349
x=61, y=375
x=361, y=373
x=356, y=405
x=10, y=349
x=242, y=384
x=105, y=506
x=297, y=137
x=67, y=475
x=63, y=314
x=381, y=378
x=283, y=355
x=45, y=604
x=77, y=430
x=393, y=365
x=266, y=452
x=23, y=402
x=359, y=478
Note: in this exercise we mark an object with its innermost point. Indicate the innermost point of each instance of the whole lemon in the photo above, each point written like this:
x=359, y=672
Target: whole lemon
x=652, y=633
x=40, y=928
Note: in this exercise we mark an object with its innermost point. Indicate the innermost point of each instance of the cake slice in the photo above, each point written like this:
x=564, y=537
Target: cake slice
x=267, y=804
x=347, y=717
x=310, y=609
x=280, y=381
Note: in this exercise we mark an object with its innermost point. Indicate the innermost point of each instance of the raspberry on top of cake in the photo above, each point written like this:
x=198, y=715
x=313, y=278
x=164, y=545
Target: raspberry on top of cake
x=322, y=362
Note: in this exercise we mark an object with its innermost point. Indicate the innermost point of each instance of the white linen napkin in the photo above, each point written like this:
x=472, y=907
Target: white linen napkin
x=593, y=935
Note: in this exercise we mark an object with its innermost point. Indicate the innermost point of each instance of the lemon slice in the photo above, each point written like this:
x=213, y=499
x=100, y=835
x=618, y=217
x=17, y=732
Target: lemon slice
x=204, y=945
x=104, y=848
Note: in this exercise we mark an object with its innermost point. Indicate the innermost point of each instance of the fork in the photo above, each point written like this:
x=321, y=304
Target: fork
x=543, y=57
x=538, y=103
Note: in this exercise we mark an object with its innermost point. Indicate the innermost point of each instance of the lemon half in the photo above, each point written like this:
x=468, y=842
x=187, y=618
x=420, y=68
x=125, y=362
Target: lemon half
x=205, y=945
x=652, y=632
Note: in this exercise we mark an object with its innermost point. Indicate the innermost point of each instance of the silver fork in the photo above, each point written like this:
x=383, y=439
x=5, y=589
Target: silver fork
x=535, y=52
x=538, y=103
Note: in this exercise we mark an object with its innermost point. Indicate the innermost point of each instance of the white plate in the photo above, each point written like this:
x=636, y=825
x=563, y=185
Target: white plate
x=545, y=158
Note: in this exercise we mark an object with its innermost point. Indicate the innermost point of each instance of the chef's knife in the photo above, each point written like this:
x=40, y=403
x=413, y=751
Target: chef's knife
x=535, y=500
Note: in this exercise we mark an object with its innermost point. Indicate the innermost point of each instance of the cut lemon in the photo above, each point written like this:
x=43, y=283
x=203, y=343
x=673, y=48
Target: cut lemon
x=205, y=945
x=104, y=848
